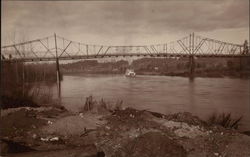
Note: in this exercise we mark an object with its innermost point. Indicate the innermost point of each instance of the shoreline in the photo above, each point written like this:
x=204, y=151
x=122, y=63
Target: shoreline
x=47, y=129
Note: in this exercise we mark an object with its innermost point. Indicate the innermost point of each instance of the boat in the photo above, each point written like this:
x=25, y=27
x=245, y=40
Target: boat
x=130, y=73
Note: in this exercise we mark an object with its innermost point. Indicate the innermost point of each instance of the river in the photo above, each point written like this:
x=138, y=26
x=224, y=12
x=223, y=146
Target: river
x=201, y=96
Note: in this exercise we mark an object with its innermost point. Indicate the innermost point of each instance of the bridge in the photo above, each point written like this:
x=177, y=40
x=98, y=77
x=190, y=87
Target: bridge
x=55, y=47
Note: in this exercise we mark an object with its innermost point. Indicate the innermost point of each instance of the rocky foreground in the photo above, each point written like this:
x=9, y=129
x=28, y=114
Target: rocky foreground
x=98, y=132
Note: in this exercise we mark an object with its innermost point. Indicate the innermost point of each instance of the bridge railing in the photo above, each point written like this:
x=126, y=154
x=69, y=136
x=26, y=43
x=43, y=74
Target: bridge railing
x=216, y=47
x=35, y=49
x=72, y=48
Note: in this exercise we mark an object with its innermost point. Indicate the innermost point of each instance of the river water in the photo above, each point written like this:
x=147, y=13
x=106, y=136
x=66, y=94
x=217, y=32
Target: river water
x=201, y=96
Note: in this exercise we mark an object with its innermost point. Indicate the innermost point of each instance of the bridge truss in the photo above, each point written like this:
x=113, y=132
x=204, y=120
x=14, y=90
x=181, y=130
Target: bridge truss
x=56, y=47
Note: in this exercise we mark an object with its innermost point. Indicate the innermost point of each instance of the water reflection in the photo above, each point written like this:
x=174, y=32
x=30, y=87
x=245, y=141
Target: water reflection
x=191, y=93
x=201, y=96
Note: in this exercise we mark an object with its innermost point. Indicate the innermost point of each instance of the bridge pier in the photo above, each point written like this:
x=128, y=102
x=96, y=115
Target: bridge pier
x=191, y=65
x=58, y=79
x=240, y=69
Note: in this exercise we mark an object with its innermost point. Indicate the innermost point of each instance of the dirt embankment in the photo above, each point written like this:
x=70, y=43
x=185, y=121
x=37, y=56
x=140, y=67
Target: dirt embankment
x=54, y=132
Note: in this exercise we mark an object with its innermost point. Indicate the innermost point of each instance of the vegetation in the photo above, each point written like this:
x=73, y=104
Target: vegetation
x=22, y=84
x=93, y=66
x=224, y=120
x=204, y=67
x=91, y=103
x=207, y=67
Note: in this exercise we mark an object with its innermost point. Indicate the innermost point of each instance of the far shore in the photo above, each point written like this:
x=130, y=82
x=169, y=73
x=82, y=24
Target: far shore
x=210, y=74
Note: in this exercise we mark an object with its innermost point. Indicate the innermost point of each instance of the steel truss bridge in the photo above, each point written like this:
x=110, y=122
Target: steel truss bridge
x=55, y=47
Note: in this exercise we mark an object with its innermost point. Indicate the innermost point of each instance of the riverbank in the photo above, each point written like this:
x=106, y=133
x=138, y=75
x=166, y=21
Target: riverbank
x=204, y=67
x=113, y=131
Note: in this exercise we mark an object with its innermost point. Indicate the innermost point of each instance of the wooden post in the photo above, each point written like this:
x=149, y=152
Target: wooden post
x=58, y=72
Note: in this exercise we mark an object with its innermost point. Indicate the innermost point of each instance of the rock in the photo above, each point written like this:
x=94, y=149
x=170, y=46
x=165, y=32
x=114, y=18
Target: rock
x=187, y=118
x=246, y=133
x=100, y=154
x=151, y=144
x=45, y=139
x=216, y=154
x=54, y=139
x=34, y=136
x=3, y=147
x=8, y=146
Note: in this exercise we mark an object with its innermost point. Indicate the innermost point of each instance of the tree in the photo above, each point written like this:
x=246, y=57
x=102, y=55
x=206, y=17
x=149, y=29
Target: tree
x=245, y=47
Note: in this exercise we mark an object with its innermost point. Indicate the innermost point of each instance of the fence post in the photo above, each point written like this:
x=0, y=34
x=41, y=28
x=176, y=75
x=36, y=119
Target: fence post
x=57, y=71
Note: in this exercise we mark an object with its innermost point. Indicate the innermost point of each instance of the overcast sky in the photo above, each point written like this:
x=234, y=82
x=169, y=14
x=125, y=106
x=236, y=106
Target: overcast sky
x=126, y=22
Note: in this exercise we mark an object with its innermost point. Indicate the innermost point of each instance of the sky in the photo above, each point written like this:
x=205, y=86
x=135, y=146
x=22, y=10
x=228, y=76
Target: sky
x=125, y=22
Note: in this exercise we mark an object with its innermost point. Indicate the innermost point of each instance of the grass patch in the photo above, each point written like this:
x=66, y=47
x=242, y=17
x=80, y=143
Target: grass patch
x=91, y=104
x=225, y=120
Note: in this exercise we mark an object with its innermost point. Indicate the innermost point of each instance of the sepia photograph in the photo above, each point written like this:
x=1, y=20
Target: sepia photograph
x=125, y=78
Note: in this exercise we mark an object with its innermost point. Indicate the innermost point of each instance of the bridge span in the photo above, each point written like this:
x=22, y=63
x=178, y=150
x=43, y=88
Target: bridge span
x=54, y=48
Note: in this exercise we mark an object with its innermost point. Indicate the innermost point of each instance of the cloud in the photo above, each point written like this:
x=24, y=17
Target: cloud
x=126, y=19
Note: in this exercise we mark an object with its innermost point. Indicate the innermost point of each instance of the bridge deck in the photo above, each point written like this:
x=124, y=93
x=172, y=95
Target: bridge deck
x=34, y=59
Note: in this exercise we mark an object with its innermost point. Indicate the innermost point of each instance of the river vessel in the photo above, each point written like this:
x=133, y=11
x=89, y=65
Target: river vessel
x=130, y=73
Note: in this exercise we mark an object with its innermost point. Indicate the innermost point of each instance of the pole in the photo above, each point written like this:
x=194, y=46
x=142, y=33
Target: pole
x=190, y=44
x=1, y=83
x=241, y=64
x=193, y=44
x=191, y=57
x=23, y=79
x=58, y=72
x=191, y=61
x=17, y=77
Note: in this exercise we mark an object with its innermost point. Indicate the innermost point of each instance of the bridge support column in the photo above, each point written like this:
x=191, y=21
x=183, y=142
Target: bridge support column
x=191, y=65
x=58, y=72
x=23, y=79
x=240, y=68
x=58, y=78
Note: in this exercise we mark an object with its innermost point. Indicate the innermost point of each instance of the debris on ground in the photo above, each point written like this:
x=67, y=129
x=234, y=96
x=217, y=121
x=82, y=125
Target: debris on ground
x=20, y=122
x=47, y=139
x=185, y=117
x=73, y=125
x=123, y=132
